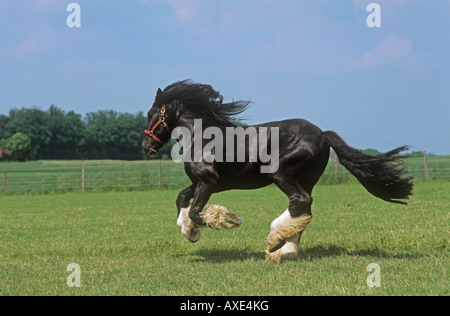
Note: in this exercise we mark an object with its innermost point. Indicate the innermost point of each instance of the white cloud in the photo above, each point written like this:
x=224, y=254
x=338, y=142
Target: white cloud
x=392, y=50
x=28, y=47
x=184, y=10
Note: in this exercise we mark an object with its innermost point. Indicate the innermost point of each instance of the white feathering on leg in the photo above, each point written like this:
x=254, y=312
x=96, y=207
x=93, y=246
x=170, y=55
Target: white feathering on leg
x=219, y=217
x=188, y=228
x=286, y=228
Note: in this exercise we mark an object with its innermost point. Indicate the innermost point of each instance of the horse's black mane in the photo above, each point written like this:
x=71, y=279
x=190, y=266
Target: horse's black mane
x=201, y=101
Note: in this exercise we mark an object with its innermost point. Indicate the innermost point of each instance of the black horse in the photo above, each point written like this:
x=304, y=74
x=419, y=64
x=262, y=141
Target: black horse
x=303, y=153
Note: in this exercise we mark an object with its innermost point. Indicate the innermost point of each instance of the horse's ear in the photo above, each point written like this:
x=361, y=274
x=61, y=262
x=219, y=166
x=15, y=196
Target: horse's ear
x=158, y=93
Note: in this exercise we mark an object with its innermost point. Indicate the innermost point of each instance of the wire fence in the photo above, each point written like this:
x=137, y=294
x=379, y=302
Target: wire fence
x=94, y=177
x=57, y=176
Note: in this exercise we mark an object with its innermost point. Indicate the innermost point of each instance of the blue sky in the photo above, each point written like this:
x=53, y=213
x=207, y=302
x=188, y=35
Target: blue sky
x=316, y=59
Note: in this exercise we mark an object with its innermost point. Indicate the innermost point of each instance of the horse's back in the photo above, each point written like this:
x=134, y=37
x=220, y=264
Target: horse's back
x=298, y=134
x=303, y=153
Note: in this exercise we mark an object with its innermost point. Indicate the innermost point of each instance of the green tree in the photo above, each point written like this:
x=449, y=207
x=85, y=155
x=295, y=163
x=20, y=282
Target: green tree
x=110, y=135
x=3, y=150
x=19, y=146
x=56, y=134
x=3, y=121
x=66, y=134
x=128, y=137
x=34, y=123
x=99, y=135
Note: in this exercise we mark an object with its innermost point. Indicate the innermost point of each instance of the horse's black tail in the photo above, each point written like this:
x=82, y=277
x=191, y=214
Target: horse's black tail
x=381, y=175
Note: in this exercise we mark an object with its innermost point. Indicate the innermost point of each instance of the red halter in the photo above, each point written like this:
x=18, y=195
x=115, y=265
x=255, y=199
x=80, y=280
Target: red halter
x=162, y=121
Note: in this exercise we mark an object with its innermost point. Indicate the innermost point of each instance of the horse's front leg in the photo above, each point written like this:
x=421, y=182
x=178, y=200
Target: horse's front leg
x=201, y=196
x=184, y=198
x=216, y=216
x=188, y=228
x=189, y=217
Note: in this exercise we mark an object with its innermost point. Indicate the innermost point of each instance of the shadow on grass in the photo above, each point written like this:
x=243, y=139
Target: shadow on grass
x=222, y=255
x=309, y=254
x=319, y=252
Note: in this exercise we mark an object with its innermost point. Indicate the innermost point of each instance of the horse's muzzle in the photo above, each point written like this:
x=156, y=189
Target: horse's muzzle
x=152, y=152
x=149, y=149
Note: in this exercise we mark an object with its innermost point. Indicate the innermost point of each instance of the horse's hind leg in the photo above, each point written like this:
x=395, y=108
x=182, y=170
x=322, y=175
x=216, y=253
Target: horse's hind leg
x=287, y=229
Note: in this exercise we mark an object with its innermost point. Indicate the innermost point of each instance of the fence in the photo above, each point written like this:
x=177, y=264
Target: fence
x=50, y=176
x=88, y=176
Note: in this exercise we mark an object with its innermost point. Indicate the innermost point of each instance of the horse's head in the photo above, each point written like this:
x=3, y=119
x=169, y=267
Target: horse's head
x=190, y=100
x=158, y=132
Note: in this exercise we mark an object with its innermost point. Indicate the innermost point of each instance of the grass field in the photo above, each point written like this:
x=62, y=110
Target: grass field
x=128, y=243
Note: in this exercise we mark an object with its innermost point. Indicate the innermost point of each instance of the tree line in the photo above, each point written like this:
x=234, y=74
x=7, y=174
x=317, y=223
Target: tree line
x=32, y=134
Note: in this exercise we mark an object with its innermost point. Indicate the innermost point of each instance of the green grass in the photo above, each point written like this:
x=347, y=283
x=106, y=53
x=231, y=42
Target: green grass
x=128, y=243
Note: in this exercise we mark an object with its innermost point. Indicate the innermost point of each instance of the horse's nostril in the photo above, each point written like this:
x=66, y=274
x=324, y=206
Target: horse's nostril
x=145, y=145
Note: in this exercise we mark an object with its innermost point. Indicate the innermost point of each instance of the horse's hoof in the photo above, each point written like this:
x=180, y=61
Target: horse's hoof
x=189, y=229
x=277, y=246
x=234, y=219
x=193, y=234
x=285, y=250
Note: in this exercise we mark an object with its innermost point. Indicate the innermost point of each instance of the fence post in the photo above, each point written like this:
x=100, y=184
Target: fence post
x=425, y=165
x=82, y=177
x=336, y=168
x=5, y=184
x=159, y=174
